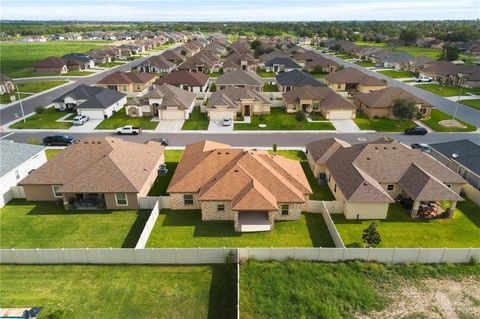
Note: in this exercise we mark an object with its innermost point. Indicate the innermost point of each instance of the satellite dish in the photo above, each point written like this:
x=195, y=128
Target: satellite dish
x=455, y=155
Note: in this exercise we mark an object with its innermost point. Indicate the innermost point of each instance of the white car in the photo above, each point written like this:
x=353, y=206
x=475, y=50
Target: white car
x=424, y=78
x=80, y=119
x=227, y=121
x=128, y=129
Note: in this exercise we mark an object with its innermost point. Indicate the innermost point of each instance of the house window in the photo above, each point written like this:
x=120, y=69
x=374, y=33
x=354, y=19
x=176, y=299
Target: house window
x=188, y=199
x=335, y=188
x=284, y=209
x=121, y=199
x=315, y=106
x=55, y=189
x=17, y=174
x=221, y=207
x=390, y=187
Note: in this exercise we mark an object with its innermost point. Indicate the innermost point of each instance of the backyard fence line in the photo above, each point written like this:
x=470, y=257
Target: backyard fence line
x=472, y=193
x=317, y=206
x=147, y=230
x=337, y=239
x=238, y=284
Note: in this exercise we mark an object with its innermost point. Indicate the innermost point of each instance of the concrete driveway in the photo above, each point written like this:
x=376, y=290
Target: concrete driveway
x=216, y=126
x=170, y=125
x=87, y=127
x=345, y=126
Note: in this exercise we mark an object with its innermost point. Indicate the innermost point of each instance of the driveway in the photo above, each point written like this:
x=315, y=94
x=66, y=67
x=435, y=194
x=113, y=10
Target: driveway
x=345, y=126
x=216, y=126
x=170, y=125
x=87, y=127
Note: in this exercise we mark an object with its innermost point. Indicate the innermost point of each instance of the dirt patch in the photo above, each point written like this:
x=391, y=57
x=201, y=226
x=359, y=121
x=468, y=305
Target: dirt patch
x=432, y=299
x=451, y=123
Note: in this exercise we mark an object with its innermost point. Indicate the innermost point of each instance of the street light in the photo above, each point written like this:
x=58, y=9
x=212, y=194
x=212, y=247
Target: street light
x=458, y=101
x=20, y=100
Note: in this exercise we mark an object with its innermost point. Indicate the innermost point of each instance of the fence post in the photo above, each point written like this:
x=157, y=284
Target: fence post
x=344, y=252
x=394, y=253
x=14, y=256
x=63, y=255
x=38, y=256
x=368, y=255
x=86, y=255
x=469, y=255
x=419, y=252
x=319, y=252
x=443, y=255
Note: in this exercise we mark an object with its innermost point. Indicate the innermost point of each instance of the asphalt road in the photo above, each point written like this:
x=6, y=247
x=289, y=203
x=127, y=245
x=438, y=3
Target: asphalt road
x=465, y=113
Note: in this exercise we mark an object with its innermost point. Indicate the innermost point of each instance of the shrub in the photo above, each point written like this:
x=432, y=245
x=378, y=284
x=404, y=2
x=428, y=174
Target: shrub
x=274, y=147
x=404, y=108
x=230, y=257
x=371, y=236
x=39, y=110
x=300, y=116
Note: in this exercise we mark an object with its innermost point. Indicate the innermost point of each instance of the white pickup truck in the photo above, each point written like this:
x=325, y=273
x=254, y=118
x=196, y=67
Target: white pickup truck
x=128, y=129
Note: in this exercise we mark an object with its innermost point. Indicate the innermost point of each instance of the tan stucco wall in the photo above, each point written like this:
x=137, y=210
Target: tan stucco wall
x=39, y=193
x=331, y=184
x=110, y=202
x=176, y=201
x=316, y=169
x=365, y=210
x=368, y=88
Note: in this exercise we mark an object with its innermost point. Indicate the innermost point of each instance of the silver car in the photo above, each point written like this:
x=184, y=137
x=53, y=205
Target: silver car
x=227, y=121
x=80, y=119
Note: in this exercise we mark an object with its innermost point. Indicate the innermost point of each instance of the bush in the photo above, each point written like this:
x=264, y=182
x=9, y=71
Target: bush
x=300, y=116
x=404, y=108
x=39, y=110
x=274, y=148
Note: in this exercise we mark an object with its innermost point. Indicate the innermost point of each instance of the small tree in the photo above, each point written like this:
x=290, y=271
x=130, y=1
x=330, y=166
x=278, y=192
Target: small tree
x=371, y=236
x=39, y=110
x=300, y=116
x=404, y=108
x=274, y=147
x=449, y=54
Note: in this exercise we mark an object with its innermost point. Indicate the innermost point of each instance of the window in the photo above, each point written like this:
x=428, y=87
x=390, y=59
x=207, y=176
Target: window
x=55, y=189
x=188, y=199
x=121, y=199
x=335, y=188
x=390, y=187
x=17, y=174
x=316, y=106
x=284, y=209
x=221, y=207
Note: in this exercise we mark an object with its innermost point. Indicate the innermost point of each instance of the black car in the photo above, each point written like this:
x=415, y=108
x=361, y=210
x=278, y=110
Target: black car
x=418, y=130
x=162, y=141
x=422, y=147
x=60, y=140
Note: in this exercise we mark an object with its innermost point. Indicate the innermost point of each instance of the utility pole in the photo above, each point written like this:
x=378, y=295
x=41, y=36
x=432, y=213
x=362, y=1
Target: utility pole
x=458, y=101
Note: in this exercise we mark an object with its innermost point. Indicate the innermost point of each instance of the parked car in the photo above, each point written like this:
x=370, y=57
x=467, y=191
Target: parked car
x=422, y=147
x=227, y=121
x=424, y=78
x=59, y=140
x=417, y=130
x=128, y=129
x=162, y=141
x=80, y=119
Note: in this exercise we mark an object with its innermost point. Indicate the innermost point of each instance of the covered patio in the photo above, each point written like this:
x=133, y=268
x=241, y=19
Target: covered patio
x=84, y=201
x=254, y=221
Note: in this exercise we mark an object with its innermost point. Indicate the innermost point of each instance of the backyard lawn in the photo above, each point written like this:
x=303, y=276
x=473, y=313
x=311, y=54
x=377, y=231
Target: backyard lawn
x=120, y=119
x=215, y=74
x=45, y=120
x=365, y=64
x=399, y=230
x=265, y=74
x=121, y=291
x=270, y=88
x=177, y=228
x=472, y=103
x=159, y=187
x=397, y=74
x=382, y=125
x=197, y=120
x=279, y=120
x=445, y=90
x=304, y=289
x=436, y=116
x=48, y=225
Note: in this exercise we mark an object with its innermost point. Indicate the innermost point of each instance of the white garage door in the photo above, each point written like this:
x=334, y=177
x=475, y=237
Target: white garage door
x=92, y=114
x=173, y=115
x=339, y=115
x=218, y=115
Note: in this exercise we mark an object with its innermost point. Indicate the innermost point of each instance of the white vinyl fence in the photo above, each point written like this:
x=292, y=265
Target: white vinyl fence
x=147, y=230
x=317, y=206
x=150, y=201
x=337, y=239
x=472, y=193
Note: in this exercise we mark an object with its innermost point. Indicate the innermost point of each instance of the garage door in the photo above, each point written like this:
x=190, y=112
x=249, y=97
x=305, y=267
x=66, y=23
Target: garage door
x=173, y=115
x=339, y=115
x=218, y=115
x=92, y=114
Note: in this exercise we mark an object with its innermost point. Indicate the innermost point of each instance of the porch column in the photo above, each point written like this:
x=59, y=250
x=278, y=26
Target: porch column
x=416, y=205
x=451, y=209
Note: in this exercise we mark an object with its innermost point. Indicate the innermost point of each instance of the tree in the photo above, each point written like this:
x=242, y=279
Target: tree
x=183, y=52
x=408, y=36
x=449, y=54
x=300, y=116
x=274, y=147
x=404, y=108
x=371, y=236
x=255, y=44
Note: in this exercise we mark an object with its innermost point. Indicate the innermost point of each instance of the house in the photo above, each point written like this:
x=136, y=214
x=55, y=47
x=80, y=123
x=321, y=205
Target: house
x=462, y=157
x=415, y=63
x=303, y=57
x=155, y=64
x=102, y=56
x=78, y=61
x=200, y=62
x=166, y=101
x=173, y=56
x=240, y=78
x=97, y=173
x=318, y=99
x=51, y=64
x=369, y=177
x=240, y=61
x=395, y=61
x=320, y=63
x=127, y=82
x=6, y=85
x=286, y=81
x=95, y=102
x=268, y=56
x=354, y=80
x=279, y=64
x=214, y=48
x=233, y=101
x=17, y=160
x=190, y=81
x=452, y=74
x=249, y=187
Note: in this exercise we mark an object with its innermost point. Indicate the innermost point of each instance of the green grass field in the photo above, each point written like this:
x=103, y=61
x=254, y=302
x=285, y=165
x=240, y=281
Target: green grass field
x=265, y=74
x=46, y=120
x=5, y=98
x=26, y=224
x=185, y=228
x=17, y=59
x=52, y=152
x=279, y=120
x=197, y=120
x=270, y=88
x=399, y=230
x=302, y=289
x=26, y=88
x=215, y=74
x=121, y=291
x=120, y=119
x=397, y=74
x=472, y=103
x=365, y=64
x=159, y=187
x=110, y=64
x=382, y=125
x=436, y=116
x=445, y=90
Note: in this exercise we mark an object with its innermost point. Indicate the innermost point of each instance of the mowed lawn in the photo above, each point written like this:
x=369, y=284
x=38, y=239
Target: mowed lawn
x=382, y=125
x=396, y=74
x=121, y=291
x=17, y=59
x=434, y=123
x=303, y=289
x=26, y=224
x=197, y=121
x=159, y=187
x=472, y=103
x=446, y=90
x=279, y=120
x=120, y=119
x=399, y=230
x=52, y=152
x=185, y=228
x=46, y=120
x=28, y=88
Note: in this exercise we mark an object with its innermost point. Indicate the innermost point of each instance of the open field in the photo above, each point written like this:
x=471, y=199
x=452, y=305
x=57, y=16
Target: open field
x=26, y=88
x=185, y=228
x=159, y=187
x=475, y=104
x=120, y=119
x=26, y=224
x=45, y=120
x=196, y=121
x=300, y=289
x=399, y=230
x=18, y=65
x=121, y=291
x=382, y=125
x=436, y=116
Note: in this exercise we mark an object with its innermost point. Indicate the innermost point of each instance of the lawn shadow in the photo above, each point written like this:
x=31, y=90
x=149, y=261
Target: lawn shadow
x=134, y=234
x=318, y=231
x=472, y=212
x=223, y=292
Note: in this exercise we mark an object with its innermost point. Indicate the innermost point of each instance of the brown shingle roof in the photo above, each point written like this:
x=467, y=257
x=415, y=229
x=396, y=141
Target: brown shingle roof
x=232, y=95
x=179, y=77
x=385, y=97
x=328, y=98
x=354, y=76
x=51, y=62
x=119, y=77
x=240, y=77
x=170, y=96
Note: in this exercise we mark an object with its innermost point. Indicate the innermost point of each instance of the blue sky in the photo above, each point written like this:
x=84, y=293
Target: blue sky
x=243, y=10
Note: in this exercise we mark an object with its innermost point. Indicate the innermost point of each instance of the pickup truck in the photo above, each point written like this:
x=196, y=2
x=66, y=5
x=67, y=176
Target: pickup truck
x=128, y=129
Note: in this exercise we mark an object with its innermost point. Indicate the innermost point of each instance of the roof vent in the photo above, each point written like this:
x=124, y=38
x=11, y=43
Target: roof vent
x=86, y=142
x=365, y=184
x=385, y=148
x=227, y=153
x=219, y=153
x=236, y=170
x=376, y=147
x=455, y=155
x=368, y=158
x=394, y=147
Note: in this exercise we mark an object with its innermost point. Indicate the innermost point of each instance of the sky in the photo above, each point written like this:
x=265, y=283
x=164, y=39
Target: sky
x=239, y=10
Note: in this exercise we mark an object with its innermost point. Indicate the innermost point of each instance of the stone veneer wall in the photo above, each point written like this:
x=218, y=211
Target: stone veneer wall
x=210, y=212
x=176, y=202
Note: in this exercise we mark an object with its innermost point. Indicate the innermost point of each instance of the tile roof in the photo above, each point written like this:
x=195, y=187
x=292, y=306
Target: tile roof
x=240, y=77
x=354, y=76
x=13, y=154
x=385, y=97
x=119, y=77
x=158, y=61
x=179, y=77
x=297, y=78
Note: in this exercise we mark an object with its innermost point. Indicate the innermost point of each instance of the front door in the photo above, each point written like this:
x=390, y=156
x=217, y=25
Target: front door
x=246, y=109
